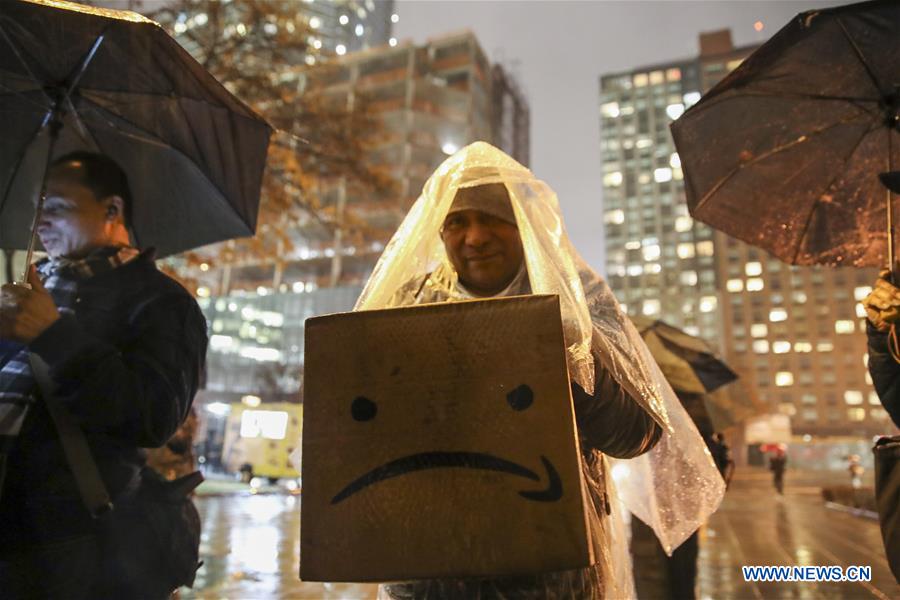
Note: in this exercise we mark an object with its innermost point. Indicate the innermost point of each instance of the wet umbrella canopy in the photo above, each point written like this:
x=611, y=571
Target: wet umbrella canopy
x=707, y=387
x=785, y=153
x=114, y=82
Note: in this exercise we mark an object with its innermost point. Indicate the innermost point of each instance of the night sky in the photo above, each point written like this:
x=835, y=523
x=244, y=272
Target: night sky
x=559, y=49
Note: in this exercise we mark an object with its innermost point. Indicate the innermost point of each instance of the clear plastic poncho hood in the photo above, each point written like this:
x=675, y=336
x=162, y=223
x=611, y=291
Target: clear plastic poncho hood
x=674, y=487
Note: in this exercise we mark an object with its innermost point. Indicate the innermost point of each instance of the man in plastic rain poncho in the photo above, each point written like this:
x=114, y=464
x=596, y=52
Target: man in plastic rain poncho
x=483, y=227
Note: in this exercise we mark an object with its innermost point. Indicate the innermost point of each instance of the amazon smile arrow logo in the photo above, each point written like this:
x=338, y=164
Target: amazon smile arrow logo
x=467, y=460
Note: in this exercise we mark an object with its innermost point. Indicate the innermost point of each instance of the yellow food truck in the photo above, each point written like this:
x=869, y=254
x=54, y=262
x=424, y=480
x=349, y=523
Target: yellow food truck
x=259, y=440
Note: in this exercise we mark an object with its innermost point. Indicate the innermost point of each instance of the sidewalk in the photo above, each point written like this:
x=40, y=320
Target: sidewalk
x=755, y=526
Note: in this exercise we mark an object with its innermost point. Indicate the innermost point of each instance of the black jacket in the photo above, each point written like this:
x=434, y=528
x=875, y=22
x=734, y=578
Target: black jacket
x=127, y=366
x=885, y=372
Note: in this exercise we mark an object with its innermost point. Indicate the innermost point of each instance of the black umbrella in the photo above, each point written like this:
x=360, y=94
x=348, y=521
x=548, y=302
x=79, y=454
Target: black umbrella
x=688, y=363
x=707, y=387
x=785, y=152
x=79, y=78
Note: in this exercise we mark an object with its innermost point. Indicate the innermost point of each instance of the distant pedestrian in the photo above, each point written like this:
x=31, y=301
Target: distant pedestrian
x=778, y=464
x=856, y=471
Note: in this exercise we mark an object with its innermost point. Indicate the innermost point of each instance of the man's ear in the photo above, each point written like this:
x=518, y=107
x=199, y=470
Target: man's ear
x=115, y=208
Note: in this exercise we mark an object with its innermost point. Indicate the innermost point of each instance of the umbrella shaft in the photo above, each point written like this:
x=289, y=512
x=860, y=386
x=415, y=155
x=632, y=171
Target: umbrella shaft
x=55, y=126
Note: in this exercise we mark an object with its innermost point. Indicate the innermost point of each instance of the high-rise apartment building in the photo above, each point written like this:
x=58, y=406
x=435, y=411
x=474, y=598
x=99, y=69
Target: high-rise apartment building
x=432, y=100
x=796, y=335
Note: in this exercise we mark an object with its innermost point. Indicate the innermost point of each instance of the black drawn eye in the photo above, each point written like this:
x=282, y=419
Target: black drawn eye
x=520, y=398
x=363, y=409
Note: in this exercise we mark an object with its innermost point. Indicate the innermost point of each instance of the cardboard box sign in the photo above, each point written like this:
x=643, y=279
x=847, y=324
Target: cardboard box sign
x=439, y=441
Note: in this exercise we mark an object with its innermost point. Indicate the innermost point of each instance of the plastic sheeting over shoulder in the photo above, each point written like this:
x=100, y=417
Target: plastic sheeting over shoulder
x=673, y=488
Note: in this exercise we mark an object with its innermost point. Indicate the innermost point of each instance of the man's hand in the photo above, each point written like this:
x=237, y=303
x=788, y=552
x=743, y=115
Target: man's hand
x=883, y=303
x=26, y=313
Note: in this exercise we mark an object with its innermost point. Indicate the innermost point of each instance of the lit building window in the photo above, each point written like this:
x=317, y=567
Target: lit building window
x=632, y=245
x=688, y=277
x=635, y=270
x=685, y=250
x=662, y=175
x=761, y=346
x=705, y=248
x=853, y=397
x=615, y=217
x=651, y=307
x=691, y=98
x=777, y=314
x=651, y=252
x=753, y=269
x=755, y=284
x=860, y=311
x=781, y=347
x=824, y=347
x=856, y=414
x=759, y=330
x=652, y=268
x=844, y=326
x=808, y=398
x=640, y=80
x=610, y=109
x=784, y=378
x=708, y=304
x=613, y=179
x=735, y=285
x=683, y=224
x=786, y=408
x=675, y=161
x=799, y=297
x=675, y=110
x=878, y=413
x=861, y=292
x=673, y=74
x=873, y=398
x=802, y=347
x=644, y=142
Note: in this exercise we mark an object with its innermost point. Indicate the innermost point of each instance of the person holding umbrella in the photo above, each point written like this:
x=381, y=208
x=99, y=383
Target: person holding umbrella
x=882, y=313
x=122, y=344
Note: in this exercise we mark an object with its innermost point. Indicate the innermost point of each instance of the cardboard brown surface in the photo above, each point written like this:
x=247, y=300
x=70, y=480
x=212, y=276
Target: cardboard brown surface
x=439, y=441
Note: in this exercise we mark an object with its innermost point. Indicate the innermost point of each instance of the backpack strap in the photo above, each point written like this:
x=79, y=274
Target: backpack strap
x=93, y=491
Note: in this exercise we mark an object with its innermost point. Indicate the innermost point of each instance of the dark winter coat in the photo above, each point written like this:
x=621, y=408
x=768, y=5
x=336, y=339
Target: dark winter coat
x=885, y=372
x=127, y=365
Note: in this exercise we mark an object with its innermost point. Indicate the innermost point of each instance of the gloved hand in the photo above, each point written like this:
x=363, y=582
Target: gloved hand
x=883, y=303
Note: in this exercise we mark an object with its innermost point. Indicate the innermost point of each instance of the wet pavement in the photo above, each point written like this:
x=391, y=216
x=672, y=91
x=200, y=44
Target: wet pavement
x=251, y=546
x=755, y=526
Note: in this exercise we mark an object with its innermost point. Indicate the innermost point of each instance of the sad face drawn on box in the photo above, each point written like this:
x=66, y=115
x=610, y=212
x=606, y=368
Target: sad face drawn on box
x=432, y=419
x=520, y=399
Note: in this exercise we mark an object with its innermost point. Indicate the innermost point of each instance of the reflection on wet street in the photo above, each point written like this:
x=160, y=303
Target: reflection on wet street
x=251, y=550
x=755, y=526
x=251, y=546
